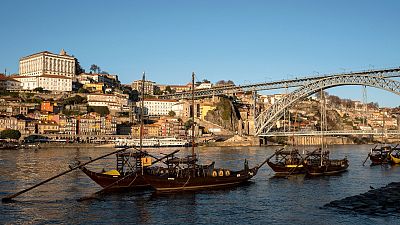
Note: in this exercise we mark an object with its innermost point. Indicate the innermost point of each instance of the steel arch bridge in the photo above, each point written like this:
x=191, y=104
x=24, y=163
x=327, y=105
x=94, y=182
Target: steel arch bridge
x=297, y=82
x=268, y=118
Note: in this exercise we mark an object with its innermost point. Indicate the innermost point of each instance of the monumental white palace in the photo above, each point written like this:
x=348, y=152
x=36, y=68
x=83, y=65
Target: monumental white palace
x=47, y=70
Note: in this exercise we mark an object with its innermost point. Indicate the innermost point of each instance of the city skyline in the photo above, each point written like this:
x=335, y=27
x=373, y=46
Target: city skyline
x=225, y=40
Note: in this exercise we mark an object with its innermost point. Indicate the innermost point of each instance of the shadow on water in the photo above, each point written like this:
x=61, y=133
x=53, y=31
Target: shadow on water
x=181, y=194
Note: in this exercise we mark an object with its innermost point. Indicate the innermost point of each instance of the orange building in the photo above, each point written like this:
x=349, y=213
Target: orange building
x=46, y=106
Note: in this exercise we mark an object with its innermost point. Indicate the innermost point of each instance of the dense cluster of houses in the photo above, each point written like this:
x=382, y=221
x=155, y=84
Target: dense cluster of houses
x=45, y=80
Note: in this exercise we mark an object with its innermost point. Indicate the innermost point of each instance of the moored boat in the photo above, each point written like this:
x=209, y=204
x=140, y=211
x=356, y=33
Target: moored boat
x=126, y=175
x=197, y=178
x=151, y=142
x=380, y=155
x=184, y=173
x=289, y=162
x=4, y=145
x=130, y=165
x=319, y=163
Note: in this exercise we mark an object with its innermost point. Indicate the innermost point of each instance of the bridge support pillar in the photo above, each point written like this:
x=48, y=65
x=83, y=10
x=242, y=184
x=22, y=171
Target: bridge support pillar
x=263, y=141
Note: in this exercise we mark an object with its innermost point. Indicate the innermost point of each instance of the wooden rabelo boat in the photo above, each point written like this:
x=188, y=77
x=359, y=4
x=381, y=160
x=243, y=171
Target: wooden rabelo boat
x=126, y=175
x=380, y=155
x=185, y=174
x=319, y=163
x=130, y=165
x=287, y=162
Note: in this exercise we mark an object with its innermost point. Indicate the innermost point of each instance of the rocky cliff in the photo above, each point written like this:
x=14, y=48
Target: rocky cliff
x=226, y=115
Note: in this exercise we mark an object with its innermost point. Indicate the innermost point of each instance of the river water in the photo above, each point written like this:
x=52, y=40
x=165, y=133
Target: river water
x=264, y=200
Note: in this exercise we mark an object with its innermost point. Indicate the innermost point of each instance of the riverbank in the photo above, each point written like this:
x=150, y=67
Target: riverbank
x=68, y=145
x=247, y=141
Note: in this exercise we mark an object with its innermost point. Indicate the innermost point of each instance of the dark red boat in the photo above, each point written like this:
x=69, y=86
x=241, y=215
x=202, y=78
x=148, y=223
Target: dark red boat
x=287, y=163
x=131, y=165
x=185, y=174
x=380, y=155
x=126, y=175
x=319, y=163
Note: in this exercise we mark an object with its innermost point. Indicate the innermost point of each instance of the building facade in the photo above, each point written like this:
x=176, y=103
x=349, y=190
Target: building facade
x=9, y=84
x=47, y=70
x=47, y=82
x=114, y=102
x=158, y=107
x=148, y=86
x=107, y=79
x=47, y=63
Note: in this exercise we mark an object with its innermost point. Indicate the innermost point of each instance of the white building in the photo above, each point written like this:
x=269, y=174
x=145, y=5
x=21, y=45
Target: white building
x=204, y=85
x=158, y=107
x=178, y=109
x=47, y=82
x=114, y=102
x=47, y=70
x=8, y=83
x=108, y=79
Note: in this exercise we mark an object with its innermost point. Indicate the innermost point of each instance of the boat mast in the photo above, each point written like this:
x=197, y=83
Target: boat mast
x=322, y=123
x=193, y=110
x=141, y=113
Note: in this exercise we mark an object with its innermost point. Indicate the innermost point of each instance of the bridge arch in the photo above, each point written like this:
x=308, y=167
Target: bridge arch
x=267, y=119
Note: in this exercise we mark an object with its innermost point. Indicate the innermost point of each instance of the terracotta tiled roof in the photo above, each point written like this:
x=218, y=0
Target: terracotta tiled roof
x=160, y=100
x=4, y=77
x=40, y=53
x=45, y=75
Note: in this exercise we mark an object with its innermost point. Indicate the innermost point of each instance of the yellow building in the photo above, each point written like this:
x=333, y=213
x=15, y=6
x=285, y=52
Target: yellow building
x=204, y=110
x=47, y=127
x=150, y=130
x=94, y=88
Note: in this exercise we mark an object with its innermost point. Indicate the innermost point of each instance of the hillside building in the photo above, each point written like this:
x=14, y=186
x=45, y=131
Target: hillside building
x=47, y=70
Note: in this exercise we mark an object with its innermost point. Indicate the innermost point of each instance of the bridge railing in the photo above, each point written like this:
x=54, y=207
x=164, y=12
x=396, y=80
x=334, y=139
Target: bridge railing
x=298, y=81
x=331, y=133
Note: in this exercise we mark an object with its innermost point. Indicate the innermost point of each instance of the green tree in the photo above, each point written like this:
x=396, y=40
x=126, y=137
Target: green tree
x=10, y=134
x=39, y=89
x=134, y=96
x=94, y=68
x=77, y=99
x=171, y=113
x=188, y=124
x=82, y=90
x=169, y=90
x=78, y=68
x=157, y=91
x=102, y=110
x=224, y=83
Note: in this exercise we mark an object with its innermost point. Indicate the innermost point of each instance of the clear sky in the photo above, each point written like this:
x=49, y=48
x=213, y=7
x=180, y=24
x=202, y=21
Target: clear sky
x=242, y=41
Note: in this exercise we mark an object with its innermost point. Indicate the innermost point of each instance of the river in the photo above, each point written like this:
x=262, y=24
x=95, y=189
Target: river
x=264, y=200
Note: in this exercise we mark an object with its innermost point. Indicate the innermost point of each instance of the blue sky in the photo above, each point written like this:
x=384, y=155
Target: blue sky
x=243, y=41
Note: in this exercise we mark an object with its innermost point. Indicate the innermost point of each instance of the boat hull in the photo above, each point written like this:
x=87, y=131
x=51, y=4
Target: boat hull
x=379, y=159
x=331, y=168
x=286, y=169
x=168, y=183
x=130, y=181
